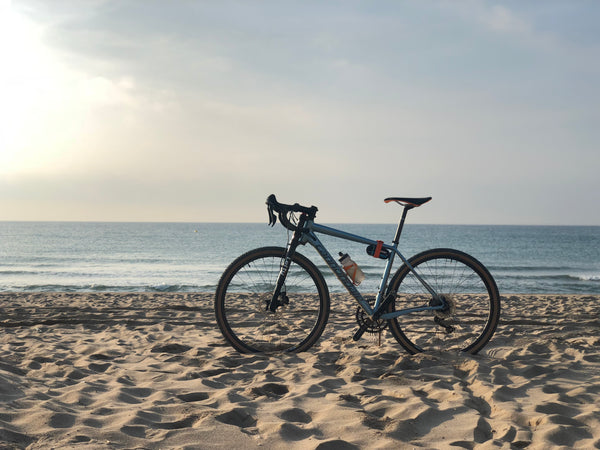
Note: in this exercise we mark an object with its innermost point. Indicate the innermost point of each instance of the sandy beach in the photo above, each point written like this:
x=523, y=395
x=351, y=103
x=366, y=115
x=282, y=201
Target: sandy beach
x=143, y=370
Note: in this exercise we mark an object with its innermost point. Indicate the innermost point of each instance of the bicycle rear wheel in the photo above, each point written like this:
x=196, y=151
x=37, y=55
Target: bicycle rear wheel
x=473, y=303
x=245, y=292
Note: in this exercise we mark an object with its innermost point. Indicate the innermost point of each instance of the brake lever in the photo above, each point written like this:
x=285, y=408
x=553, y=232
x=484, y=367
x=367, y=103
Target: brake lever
x=272, y=216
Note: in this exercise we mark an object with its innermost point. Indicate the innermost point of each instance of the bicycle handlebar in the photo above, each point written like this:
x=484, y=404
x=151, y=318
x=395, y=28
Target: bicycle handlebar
x=283, y=210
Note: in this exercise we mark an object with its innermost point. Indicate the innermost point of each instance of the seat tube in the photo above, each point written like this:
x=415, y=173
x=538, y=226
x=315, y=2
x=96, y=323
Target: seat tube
x=384, y=278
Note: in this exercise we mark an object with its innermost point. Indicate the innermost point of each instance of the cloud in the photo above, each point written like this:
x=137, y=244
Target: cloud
x=500, y=18
x=100, y=91
x=235, y=100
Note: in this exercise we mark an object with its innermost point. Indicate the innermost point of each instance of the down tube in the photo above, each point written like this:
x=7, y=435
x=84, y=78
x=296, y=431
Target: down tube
x=338, y=271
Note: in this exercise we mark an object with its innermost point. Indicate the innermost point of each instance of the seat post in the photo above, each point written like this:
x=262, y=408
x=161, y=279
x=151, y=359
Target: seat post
x=401, y=224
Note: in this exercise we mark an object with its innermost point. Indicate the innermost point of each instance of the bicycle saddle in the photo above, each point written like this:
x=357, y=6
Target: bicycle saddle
x=408, y=202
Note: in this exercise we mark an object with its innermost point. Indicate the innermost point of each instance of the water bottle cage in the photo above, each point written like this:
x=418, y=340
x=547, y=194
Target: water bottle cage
x=352, y=272
x=377, y=251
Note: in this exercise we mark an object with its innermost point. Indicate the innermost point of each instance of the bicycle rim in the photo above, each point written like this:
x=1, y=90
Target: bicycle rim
x=473, y=304
x=244, y=293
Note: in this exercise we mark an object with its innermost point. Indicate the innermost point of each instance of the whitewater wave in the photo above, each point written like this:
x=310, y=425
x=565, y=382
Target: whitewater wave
x=586, y=277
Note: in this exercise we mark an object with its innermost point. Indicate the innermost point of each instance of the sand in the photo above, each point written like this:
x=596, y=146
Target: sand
x=152, y=371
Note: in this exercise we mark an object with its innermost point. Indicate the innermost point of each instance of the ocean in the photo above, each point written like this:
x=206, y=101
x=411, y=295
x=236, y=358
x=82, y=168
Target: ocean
x=189, y=257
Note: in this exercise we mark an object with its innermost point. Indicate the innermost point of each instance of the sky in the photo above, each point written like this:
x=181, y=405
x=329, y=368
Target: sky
x=196, y=111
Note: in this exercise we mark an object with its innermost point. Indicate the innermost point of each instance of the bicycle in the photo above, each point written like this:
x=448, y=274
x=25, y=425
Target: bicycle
x=274, y=299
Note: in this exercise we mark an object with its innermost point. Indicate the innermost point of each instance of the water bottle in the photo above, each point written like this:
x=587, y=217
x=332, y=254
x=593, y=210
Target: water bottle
x=351, y=268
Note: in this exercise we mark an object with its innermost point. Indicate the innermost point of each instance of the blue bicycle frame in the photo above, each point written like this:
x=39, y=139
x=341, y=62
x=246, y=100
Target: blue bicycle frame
x=309, y=236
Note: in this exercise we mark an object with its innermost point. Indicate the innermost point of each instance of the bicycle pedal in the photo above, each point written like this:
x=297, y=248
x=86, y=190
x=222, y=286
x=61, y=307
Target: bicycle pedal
x=359, y=333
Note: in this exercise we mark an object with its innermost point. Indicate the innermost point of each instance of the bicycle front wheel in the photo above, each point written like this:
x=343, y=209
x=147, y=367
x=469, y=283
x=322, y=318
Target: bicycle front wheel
x=246, y=290
x=472, y=303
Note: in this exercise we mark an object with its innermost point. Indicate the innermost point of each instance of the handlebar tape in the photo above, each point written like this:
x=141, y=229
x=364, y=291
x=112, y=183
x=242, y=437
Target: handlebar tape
x=283, y=210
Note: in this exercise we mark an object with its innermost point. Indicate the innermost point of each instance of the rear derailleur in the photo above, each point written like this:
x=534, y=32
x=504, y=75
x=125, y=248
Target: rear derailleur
x=443, y=316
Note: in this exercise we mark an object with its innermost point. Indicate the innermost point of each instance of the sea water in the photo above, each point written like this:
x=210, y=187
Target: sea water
x=188, y=257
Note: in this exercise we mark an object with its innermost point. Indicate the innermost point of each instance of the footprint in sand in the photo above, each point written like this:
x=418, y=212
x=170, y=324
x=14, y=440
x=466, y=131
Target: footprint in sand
x=186, y=422
x=193, y=397
x=134, y=431
x=557, y=408
x=101, y=357
x=99, y=367
x=480, y=405
x=350, y=398
x=80, y=439
x=103, y=411
x=535, y=370
x=372, y=421
x=171, y=348
x=133, y=395
x=291, y=432
x=270, y=390
x=20, y=440
x=332, y=384
x=212, y=372
x=239, y=417
x=62, y=420
x=126, y=381
x=154, y=421
x=296, y=415
x=508, y=394
x=483, y=431
x=567, y=436
x=76, y=374
x=337, y=444
x=93, y=423
x=34, y=365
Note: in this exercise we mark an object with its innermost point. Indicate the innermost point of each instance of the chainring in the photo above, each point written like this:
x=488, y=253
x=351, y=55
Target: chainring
x=370, y=325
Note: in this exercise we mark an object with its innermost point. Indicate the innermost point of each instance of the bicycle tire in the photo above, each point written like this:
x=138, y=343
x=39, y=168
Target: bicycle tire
x=474, y=303
x=245, y=290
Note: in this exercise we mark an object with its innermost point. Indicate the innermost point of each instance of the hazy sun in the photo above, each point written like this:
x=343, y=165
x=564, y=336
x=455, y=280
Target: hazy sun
x=25, y=85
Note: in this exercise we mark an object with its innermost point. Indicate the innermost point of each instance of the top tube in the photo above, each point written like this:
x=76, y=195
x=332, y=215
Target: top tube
x=344, y=235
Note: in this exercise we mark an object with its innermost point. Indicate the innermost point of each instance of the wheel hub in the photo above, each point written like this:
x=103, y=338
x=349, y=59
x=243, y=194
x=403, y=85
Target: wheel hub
x=449, y=308
x=281, y=300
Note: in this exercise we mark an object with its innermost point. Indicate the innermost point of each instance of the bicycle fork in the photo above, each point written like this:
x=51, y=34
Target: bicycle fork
x=279, y=297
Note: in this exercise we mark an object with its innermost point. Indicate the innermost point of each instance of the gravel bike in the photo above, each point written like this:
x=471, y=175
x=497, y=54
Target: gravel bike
x=274, y=299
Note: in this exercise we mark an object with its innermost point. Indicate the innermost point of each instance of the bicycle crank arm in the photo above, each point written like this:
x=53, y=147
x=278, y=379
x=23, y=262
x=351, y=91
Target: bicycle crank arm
x=361, y=330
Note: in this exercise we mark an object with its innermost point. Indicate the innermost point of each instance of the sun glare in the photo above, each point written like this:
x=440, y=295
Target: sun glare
x=25, y=87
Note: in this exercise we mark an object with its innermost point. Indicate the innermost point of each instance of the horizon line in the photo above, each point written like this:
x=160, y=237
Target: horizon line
x=324, y=223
